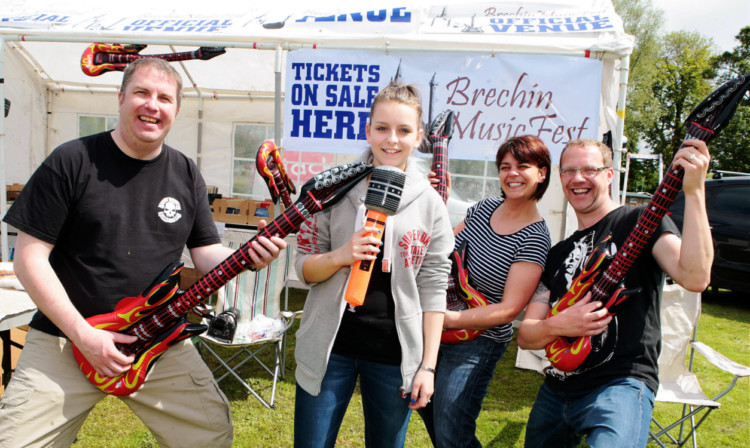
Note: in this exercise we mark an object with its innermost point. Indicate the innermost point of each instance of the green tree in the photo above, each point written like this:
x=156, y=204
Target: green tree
x=683, y=74
x=736, y=62
x=731, y=148
x=644, y=22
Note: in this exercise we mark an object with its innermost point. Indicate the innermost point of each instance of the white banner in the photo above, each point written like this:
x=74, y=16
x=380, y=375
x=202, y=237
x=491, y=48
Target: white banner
x=329, y=93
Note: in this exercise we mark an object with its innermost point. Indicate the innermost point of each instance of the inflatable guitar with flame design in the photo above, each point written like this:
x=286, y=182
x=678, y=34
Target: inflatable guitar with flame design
x=158, y=316
x=461, y=293
x=703, y=123
x=102, y=58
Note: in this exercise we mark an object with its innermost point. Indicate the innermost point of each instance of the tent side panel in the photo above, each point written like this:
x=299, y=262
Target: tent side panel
x=25, y=135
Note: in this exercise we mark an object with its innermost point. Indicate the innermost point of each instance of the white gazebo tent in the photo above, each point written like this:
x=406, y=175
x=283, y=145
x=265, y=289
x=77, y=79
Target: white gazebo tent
x=41, y=45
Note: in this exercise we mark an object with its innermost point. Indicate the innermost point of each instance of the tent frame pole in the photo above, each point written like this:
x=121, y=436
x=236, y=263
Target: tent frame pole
x=617, y=138
x=5, y=253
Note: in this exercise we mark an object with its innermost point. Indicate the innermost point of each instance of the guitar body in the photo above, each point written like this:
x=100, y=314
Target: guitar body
x=564, y=353
x=157, y=317
x=93, y=62
x=129, y=311
x=467, y=296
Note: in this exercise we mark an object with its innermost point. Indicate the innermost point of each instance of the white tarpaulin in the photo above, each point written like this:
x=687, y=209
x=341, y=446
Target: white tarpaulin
x=553, y=41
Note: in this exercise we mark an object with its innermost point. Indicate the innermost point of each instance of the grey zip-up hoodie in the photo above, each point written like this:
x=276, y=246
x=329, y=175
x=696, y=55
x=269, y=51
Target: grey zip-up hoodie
x=422, y=242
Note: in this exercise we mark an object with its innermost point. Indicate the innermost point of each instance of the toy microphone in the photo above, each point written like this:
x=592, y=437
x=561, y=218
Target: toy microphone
x=382, y=200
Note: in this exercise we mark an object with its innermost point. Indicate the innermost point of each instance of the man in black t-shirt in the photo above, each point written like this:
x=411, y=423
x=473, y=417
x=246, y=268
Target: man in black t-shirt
x=98, y=221
x=609, y=397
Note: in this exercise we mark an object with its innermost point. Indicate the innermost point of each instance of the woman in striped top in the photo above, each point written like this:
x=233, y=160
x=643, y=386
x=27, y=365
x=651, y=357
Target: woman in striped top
x=508, y=243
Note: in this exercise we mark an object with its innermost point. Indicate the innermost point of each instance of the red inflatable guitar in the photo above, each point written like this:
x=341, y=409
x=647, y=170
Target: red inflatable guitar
x=271, y=169
x=703, y=123
x=461, y=295
x=158, y=316
x=102, y=58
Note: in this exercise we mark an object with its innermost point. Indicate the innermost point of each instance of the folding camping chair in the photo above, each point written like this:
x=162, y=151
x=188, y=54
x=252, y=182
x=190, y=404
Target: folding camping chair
x=261, y=326
x=680, y=311
x=677, y=383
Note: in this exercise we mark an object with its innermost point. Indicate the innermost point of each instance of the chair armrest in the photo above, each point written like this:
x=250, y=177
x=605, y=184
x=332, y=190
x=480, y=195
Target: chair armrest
x=289, y=318
x=720, y=360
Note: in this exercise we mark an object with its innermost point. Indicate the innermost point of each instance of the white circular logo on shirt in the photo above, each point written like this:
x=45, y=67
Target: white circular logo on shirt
x=169, y=210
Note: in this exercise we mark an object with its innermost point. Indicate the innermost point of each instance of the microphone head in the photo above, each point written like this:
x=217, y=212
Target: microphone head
x=384, y=190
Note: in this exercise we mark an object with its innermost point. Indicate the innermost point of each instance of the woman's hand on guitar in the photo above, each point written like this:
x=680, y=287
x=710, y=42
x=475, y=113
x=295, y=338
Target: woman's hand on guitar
x=584, y=318
x=694, y=158
x=98, y=346
x=434, y=181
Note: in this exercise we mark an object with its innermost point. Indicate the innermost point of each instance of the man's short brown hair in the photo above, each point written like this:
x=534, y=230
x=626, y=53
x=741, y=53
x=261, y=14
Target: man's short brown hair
x=605, y=150
x=159, y=64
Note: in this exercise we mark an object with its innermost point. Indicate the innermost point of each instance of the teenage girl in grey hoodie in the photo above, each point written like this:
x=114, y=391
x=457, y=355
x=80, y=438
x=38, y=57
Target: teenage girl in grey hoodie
x=390, y=342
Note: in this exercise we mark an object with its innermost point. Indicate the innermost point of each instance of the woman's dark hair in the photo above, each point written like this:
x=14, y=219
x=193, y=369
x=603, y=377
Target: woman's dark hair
x=527, y=149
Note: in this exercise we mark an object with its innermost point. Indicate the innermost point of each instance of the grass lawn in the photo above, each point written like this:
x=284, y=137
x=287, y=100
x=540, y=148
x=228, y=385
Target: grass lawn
x=724, y=325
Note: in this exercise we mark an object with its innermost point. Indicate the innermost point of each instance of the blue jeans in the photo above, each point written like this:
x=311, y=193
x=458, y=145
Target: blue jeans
x=616, y=414
x=463, y=376
x=317, y=418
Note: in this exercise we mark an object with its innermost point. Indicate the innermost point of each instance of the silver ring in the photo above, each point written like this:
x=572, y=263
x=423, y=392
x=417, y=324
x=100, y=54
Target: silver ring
x=691, y=158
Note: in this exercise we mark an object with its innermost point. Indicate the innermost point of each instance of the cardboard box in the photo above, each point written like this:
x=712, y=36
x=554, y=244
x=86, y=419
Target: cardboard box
x=12, y=191
x=242, y=211
x=258, y=210
x=231, y=210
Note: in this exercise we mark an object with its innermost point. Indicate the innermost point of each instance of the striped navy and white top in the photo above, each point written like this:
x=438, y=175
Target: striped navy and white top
x=491, y=255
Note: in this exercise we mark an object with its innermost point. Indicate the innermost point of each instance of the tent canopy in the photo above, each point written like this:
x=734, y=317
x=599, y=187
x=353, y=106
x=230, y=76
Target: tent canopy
x=578, y=28
x=41, y=46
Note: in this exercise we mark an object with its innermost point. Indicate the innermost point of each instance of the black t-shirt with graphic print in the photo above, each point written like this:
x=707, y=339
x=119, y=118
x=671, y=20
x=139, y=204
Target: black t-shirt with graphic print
x=115, y=222
x=630, y=346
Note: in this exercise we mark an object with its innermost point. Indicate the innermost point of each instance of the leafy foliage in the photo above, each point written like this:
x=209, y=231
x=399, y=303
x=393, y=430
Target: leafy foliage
x=643, y=22
x=733, y=143
x=683, y=79
x=668, y=77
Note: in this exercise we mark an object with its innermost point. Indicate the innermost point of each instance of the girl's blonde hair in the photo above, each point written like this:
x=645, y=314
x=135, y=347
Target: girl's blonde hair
x=401, y=93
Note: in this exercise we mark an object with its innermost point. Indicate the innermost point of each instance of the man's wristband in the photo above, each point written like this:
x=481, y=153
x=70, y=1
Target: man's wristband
x=429, y=369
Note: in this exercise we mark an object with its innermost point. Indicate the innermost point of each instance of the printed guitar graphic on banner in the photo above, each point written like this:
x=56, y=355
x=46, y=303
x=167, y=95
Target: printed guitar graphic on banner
x=603, y=272
x=102, y=58
x=158, y=316
x=461, y=295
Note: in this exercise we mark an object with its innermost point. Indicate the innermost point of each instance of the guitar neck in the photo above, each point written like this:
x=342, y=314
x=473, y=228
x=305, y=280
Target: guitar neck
x=329, y=187
x=286, y=199
x=240, y=260
x=117, y=58
x=440, y=164
x=647, y=223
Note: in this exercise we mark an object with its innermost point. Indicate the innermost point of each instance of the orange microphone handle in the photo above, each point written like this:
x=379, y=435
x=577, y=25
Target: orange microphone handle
x=382, y=200
x=359, y=278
